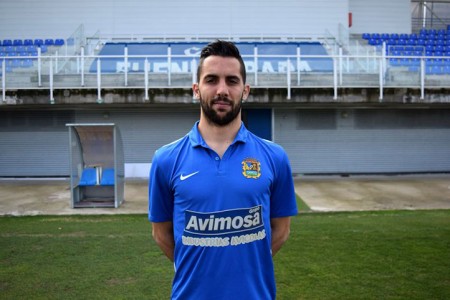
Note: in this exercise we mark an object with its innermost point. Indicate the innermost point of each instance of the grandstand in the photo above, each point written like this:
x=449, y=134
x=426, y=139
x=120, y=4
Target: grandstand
x=346, y=87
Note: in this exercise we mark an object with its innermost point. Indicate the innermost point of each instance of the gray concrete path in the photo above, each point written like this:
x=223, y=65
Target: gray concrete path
x=50, y=197
x=375, y=192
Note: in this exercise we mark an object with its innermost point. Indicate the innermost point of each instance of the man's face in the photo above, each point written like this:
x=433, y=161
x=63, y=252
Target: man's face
x=221, y=89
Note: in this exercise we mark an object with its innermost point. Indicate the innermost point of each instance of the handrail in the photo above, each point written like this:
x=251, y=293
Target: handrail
x=344, y=72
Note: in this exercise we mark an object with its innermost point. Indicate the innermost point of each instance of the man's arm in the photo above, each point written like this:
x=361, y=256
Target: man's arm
x=163, y=235
x=280, y=232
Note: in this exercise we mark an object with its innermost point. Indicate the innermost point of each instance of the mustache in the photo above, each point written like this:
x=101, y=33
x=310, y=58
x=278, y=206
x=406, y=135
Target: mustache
x=221, y=99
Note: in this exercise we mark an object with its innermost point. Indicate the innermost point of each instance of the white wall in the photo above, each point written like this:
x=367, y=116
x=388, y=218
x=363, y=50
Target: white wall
x=59, y=18
x=387, y=16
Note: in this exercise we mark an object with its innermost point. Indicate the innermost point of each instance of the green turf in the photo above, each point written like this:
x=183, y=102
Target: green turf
x=363, y=255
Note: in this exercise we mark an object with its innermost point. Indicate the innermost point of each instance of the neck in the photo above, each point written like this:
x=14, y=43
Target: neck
x=217, y=137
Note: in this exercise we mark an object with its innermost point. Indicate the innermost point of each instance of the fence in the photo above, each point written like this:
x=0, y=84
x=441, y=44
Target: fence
x=339, y=70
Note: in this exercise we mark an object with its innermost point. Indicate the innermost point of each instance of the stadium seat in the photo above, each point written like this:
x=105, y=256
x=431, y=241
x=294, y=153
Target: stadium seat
x=17, y=42
x=59, y=42
x=375, y=36
x=394, y=36
x=27, y=63
x=15, y=63
x=38, y=42
x=7, y=43
x=44, y=48
x=374, y=42
x=107, y=177
x=447, y=69
x=420, y=41
x=49, y=42
x=391, y=42
x=366, y=36
x=88, y=177
x=385, y=36
x=429, y=48
x=27, y=42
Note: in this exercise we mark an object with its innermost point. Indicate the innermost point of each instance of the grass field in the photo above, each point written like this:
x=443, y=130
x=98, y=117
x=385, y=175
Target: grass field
x=362, y=255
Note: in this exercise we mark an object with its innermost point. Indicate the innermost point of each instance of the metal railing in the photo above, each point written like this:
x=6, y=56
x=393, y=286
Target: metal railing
x=370, y=70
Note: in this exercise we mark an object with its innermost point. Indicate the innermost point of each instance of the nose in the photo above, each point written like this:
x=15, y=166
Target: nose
x=222, y=89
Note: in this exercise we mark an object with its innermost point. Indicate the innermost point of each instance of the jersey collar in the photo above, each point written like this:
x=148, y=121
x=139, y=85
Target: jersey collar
x=197, y=140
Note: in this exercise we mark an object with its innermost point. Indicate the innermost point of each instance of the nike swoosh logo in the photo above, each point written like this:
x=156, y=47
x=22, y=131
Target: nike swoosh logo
x=184, y=177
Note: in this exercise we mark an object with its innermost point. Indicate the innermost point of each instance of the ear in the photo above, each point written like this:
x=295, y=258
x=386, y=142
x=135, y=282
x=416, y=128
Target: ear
x=246, y=92
x=196, y=90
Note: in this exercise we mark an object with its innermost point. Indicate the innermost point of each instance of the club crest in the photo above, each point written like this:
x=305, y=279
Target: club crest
x=251, y=168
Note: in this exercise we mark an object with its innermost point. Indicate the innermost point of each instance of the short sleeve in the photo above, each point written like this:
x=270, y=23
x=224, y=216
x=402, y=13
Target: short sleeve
x=283, y=201
x=159, y=192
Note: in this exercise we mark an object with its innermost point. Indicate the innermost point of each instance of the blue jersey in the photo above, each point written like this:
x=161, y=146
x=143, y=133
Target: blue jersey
x=221, y=210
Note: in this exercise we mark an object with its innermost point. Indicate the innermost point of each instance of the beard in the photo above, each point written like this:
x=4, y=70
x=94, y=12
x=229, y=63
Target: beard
x=214, y=117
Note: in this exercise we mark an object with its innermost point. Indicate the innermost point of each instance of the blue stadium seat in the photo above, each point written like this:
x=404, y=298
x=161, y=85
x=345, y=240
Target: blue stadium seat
x=435, y=70
x=49, y=42
x=27, y=63
x=375, y=36
x=394, y=61
x=107, y=177
x=394, y=36
x=447, y=69
x=414, y=69
x=15, y=63
x=391, y=42
x=59, y=42
x=403, y=36
x=420, y=41
x=17, y=42
x=385, y=36
x=7, y=43
x=44, y=48
x=88, y=177
x=366, y=36
x=27, y=42
x=374, y=42
x=20, y=48
x=429, y=48
x=38, y=42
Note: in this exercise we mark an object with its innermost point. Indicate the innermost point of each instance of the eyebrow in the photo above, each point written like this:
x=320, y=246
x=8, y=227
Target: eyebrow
x=226, y=77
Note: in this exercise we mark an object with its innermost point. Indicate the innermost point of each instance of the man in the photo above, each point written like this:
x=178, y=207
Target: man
x=220, y=198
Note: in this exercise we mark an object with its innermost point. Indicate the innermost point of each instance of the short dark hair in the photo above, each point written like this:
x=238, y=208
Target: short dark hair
x=224, y=49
